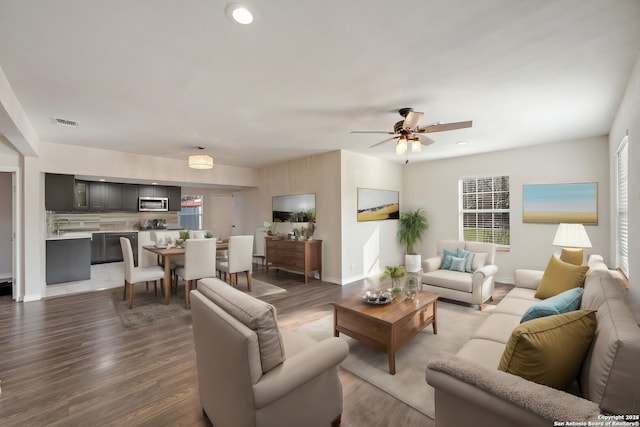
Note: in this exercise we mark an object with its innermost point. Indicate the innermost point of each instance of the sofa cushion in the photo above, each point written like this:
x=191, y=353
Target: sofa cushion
x=479, y=260
x=610, y=375
x=560, y=276
x=486, y=353
x=561, y=303
x=449, y=279
x=550, y=350
x=497, y=327
x=446, y=258
x=468, y=256
x=514, y=306
x=458, y=264
x=255, y=314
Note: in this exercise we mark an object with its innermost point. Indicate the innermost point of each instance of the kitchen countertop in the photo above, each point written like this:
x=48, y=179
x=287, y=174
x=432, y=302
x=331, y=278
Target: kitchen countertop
x=64, y=235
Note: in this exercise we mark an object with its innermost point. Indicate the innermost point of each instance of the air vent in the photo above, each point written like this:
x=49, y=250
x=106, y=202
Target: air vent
x=65, y=122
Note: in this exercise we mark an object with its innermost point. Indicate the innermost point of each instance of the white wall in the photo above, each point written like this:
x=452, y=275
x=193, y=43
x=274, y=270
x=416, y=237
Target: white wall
x=434, y=186
x=74, y=160
x=367, y=247
x=627, y=122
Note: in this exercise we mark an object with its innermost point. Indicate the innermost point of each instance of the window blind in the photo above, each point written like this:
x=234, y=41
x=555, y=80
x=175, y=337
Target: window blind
x=622, y=206
x=484, y=209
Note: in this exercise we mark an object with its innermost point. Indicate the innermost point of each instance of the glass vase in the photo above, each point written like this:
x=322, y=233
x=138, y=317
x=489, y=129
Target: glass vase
x=412, y=284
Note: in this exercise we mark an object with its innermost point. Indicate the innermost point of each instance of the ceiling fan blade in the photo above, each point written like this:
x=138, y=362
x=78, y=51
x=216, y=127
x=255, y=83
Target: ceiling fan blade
x=373, y=131
x=382, y=142
x=412, y=120
x=445, y=126
x=425, y=140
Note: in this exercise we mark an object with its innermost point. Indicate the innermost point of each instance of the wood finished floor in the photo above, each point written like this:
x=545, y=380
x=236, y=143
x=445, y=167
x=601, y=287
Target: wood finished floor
x=67, y=361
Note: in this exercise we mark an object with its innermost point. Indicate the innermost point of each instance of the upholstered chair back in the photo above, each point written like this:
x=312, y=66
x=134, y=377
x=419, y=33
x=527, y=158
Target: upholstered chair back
x=240, y=253
x=199, y=258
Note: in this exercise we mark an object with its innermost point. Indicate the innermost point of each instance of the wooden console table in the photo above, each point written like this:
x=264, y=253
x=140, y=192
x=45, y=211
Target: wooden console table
x=296, y=255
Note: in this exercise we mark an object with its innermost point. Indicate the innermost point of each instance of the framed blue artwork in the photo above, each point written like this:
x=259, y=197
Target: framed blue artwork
x=556, y=203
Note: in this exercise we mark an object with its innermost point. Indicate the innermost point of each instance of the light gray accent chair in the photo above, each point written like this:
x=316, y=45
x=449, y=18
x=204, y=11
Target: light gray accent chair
x=133, y=274
x=470, y=390
x=199, y=262
x=240, y=260
x=472, y=288
x=251, y=373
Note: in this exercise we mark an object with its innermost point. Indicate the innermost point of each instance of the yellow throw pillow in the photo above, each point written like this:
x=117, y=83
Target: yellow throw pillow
x=572, y=256
x=560, y=276
x=550, y=350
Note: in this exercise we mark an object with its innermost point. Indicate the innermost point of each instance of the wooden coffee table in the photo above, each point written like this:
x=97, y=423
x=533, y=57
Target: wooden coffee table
x=386, y=327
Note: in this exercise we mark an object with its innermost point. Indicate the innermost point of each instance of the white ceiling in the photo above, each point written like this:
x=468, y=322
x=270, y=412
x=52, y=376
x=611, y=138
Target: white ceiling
x=163, y=76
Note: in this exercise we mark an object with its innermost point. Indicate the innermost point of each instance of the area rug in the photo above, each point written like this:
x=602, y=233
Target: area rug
x=456, y=324
x=149, y=309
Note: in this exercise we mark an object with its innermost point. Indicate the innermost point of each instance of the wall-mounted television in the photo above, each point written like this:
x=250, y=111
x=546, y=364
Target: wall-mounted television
x=294, y=208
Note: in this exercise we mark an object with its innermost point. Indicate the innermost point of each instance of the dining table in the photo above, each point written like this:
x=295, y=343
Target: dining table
x=171, y=252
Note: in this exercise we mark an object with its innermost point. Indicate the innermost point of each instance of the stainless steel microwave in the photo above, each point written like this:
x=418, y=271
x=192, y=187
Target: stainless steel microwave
x=153, y=204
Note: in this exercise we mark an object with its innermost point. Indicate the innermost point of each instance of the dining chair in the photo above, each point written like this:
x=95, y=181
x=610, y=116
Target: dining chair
x=133, y=274
x=259, y=253
x=199, y=262
x=240, y=260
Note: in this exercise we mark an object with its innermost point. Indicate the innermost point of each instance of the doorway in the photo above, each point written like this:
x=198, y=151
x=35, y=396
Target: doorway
x=222, y=216
x=6, y=235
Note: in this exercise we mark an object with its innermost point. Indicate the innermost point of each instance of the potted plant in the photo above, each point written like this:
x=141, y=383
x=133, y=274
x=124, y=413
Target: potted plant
x=413, y=225
x=396, y=272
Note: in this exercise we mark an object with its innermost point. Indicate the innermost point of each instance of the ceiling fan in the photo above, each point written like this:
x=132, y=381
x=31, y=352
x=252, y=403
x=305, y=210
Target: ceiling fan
x=409, y=130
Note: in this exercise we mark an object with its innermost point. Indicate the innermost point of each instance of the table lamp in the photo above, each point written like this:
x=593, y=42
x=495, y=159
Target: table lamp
x=572, y=238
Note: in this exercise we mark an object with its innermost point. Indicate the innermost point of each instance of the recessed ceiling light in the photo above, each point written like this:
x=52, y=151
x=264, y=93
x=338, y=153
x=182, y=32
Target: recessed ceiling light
x=462, y=142
x=239, y=13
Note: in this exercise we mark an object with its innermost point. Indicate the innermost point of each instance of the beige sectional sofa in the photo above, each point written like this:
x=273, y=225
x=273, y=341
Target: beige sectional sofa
x=474, y=286
x=470, y=390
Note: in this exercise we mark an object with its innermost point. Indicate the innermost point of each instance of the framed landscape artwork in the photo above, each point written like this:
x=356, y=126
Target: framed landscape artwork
x=556, y=203
x=376, y=205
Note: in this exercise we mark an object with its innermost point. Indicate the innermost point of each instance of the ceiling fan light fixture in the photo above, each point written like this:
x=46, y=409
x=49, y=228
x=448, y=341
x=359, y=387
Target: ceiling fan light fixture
x=401, y=146
x=416, y=147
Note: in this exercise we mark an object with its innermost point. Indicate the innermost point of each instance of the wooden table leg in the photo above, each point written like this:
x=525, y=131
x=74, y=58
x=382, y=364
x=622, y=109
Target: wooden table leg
x=335, y=323
x=435, y=317
x=391, y=356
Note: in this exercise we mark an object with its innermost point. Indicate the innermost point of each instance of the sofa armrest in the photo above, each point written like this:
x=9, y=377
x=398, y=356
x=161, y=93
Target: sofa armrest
x=431, y=264
x=491, y=394
x=486, y=270
x=528, y=278
x=299, y=369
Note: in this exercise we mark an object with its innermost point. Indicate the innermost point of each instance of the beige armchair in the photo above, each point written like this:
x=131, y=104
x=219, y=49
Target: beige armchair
x=474, y=285
x=250, y=373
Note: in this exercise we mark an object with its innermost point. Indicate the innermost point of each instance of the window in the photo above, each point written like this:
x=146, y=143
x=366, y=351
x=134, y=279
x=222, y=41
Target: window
x=484, y=209
x=191, y=212
x=622, y=206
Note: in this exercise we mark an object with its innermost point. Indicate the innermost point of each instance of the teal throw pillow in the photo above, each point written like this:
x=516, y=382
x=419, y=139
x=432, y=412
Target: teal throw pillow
x=446, y=258
x=457, y=263
x=468, y=256
x=562, y=303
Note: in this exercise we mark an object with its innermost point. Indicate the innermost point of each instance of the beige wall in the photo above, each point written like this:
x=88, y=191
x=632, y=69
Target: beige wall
x=434, y=186
x=318, y=174
x=627, y=122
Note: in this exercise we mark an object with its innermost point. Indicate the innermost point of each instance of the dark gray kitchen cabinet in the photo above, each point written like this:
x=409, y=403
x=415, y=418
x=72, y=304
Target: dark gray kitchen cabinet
x=81, y=196
x=130, y=197
x=175, y=197
x=68, y=260
x=59, y=192
x=153, y=191
x=105, y=196
x=106, y=247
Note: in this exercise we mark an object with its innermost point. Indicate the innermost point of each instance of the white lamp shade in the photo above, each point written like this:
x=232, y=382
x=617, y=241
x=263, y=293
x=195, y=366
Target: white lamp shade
x=200, y=161
x=401, y=146
x=571, y=236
